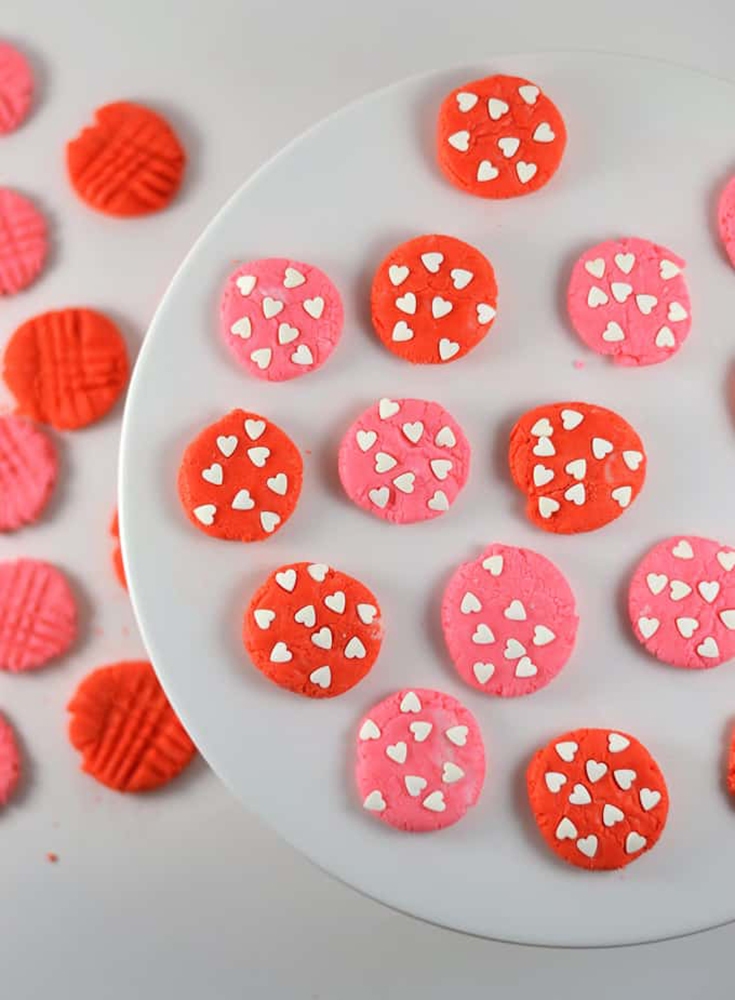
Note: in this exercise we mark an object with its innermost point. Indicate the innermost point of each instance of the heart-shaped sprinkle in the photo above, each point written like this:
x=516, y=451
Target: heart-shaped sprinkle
x=369, y=730
x=242, y=328
x=547, y=506
x=485, y=313
x=542, y=635
x=448, y=348
x=457, y=735
x=571, y=419
x=306, y=616
x=302, y=355
x=420, y=730
x=405, y=482
x=513, y=649
x=438, y=501
x=486, y=171
x=398, y=273
x=293, y=278
x=281, y=653
x=259, y=455
x=613, y=332
x=379, y=496
x=262, y=357
x=596, y=297
x=728, y=618
x=451, y=772
x=336, y=602
x=525, y=171
x=432, y=261
x=542, y=475
x=687, y=626
x=287, y=333
x=413, y=431
x=646, y=303
x=565, y=829
x=544, y=133
x=402, y=332
x=634, y=842
x=440, y=467
x=616, y=743
x=683, y=550
x=656, y=582
x=612, y=815
x=397, y=752
x=587, y=845
x=469, y=604
x=509, y=145
x=566, y=750
x=483, y=635
x=625, y=262
x=322, y=677
x=726, y=559
x=246, y=283
x=314, y=307
x=542, y=428
x=622, y=495
x=577, y=468
x=601, y=447
x=496, y=108
x=483, y=671
x=278, y=484
x=410, y=702
x=374, y=802
x=515, y=611
x=205, y=513
x=318, y=571
x=595, y=267
x=676, y=312
x=621, y=290
x=665, y=338
x=407, y=303
x=384, y=462
x=414, y=784
x=579, y=796
x=595, y=769
x=648, y=626
x=286, y=579
x=271, y=307
x=367, y=613
x=460, y=277
x=529, y=92
x=465, y=100
x=440, y=307
x=526, y=668
x=708, y=590
x=624, y=777
x=366, y=439
x=493, y=564
x=679, y=590
x=554, y=780
x=435, y=802
x=650, y=798
x=322, y=638
x=254, y=428
x=269, y=520
x=544, y=448
x=213, y=474
x=633, y=459
x=460, y=140
x=668, y=269
x=227, y=444
x=708, y=648
x=264, y=617
x=576, y=494
x=242, y=500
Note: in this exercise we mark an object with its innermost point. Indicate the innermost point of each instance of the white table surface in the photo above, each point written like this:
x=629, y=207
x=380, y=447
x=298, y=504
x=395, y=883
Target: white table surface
x=183, y=893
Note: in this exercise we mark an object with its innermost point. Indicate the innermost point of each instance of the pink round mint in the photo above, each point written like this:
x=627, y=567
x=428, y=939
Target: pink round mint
x=23, y=241
x=420, y=760
x=404, y=460
x=726, y=219
x=280, y=318
x=628, y=299
x=27, y=472
x=682, y=602
x=16, y=87
x=509, y=621
x=9, y=761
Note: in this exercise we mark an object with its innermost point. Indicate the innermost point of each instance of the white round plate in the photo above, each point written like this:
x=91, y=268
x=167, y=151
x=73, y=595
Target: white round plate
x=649, y=147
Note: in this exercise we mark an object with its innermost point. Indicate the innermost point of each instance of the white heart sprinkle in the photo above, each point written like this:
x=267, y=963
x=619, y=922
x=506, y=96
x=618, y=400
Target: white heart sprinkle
x=302, y=355
x=293, y=278
x=687, y=626
x=205, y=513
x=595, y=267
x=440, y=307
x=384, y=462
x=242, y=328
x=554, y=780
x=544, y=448
x=566, y=750
x=242, y=500
x=306, y=616
x=625, y=262
x=509, y=145
x=420, y=730
x=529, y=92
x=483, y=671
x=621, y=290
x=387, y=408
x=402, y=332
x=571, y=419
x=708, y=590
x=286, y=579
x=314, y=307
x=580, y=796
x=525, y=171
x=616, y=742
x=441, y=467
x=648, y=626
x=544, y=133
x=439, y=501
x=525, y=668
x=485, y=313
x=287, y=333
x=634, y=842
x=322, y=638
x=322, y=677
x=612, y=815
x=398, y=273
x=413, y=430
x=465, y=100
x=483, y=635
x=709, y=648
x=513, y=649
x=633, y=459
x=367, y=613
x=596, y=297
x=726, y=559
x=613, y=332
x=451, y=773
x=665, y=338
x=601, y=447
x=259, y=456
x=542, y=635
x=227, y=444
x=406, y=303
x=336, y=602
x=683, y=550
x=679, y=590
x=650, y=798
x=515, y=611
x=469, y=604
x=728, y=618
x=486, y=171
x=496, y=108
x=460, y=277
x=397, y=752
x=656, y=582
x=622, y=495
x=379, y=496
x=278, y=484
x=271, y=307
x=576, y=494
x=493, y=564
x=246, y=283
x=281, y=653
x=414, y=784
x=318, y=571
x=587, y=845
x=676, y=312
x=595, y=769
x=410, y=703
x=457, y=735
x=432, y=261
x=254, y=428
x=269, y=520
x=668, y=269
x=577, y=468
x=435, y=802
x=374, y=802
x=460, y=140
x=565, y=830
x=262, y=357
x=405, y=482
x=366, y=439
x=369, y=730
x=447, y=348
x=213, y=474
x=542, y=475
x=646, y=303
x=264, y=617
x=542, y=428
x=547, y=506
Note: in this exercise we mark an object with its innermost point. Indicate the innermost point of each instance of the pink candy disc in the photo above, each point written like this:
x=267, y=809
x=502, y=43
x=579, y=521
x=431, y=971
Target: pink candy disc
x=509, y=621
x=38, y=618
x=726, y=219
x=420, y=760
x=280, y=318
x=682, y=602
x=628, y=299
x=404, y=460
x=27, y=472
x=16, y=87
x=23, y=241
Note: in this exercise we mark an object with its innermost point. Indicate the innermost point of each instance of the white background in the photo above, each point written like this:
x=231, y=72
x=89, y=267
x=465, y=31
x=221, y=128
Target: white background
x=183, y=893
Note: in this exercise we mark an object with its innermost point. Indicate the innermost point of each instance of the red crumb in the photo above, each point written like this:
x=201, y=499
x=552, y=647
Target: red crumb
x=53, y=858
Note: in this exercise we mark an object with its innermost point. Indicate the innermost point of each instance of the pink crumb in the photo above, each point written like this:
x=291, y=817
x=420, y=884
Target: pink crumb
x=579, y=365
